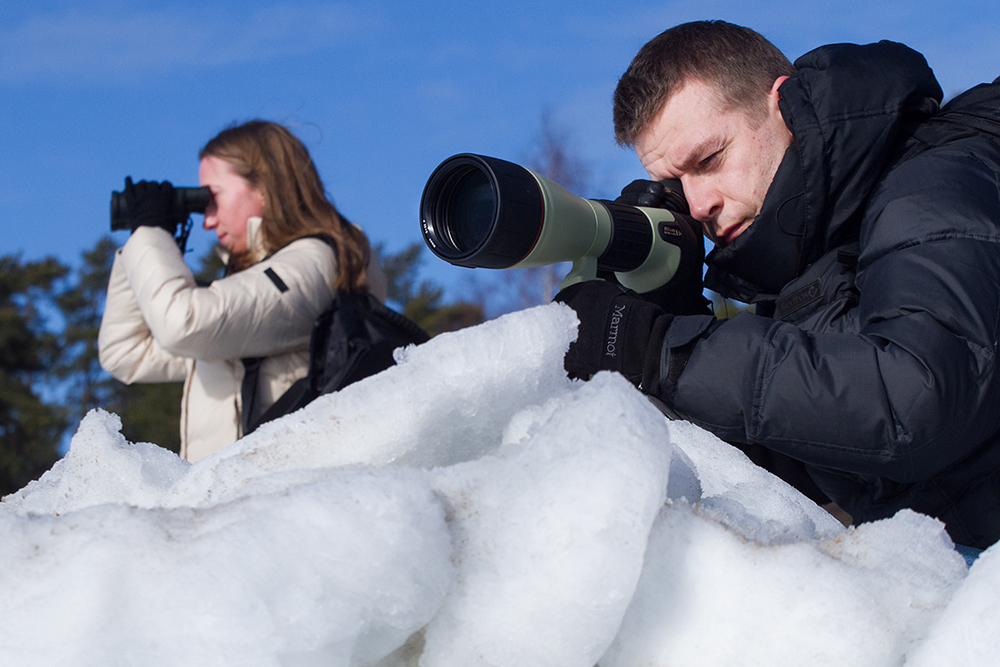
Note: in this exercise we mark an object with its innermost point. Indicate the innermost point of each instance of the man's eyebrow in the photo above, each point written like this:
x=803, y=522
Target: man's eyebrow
x=694, y=155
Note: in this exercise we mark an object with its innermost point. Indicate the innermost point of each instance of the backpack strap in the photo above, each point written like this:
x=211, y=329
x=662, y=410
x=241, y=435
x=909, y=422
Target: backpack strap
x=248, y=391
x=296, y=395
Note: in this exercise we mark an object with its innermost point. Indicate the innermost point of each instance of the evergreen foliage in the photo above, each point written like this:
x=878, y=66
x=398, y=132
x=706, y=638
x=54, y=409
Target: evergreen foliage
x=30, y=429
x=421, y=301
x=87, y=386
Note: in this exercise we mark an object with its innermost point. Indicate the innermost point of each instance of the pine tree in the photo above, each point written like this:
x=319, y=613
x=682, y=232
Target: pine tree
x=30, y=429
x=86, y=385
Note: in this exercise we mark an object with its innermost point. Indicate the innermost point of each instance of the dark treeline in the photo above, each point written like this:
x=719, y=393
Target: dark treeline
x=50, y=376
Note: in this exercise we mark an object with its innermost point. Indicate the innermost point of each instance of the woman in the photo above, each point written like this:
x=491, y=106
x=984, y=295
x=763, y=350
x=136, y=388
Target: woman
x=268, y=207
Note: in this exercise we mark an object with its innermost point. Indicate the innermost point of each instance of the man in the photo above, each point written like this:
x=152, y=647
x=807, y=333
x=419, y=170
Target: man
x=864, y=223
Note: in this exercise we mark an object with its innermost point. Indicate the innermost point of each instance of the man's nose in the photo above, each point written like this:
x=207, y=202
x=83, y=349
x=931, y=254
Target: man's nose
x=704, y=200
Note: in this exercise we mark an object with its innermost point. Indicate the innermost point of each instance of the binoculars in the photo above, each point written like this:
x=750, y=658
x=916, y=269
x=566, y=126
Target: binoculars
x=186, y=201
x=483, y=212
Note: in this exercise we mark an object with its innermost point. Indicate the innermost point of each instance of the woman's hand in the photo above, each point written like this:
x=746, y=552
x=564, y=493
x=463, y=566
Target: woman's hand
x=151, y=204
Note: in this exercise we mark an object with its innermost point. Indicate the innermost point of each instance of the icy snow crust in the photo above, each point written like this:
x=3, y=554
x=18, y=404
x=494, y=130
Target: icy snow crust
x=470, y=506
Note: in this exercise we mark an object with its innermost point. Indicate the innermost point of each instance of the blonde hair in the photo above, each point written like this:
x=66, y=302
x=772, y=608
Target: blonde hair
x=276, y=163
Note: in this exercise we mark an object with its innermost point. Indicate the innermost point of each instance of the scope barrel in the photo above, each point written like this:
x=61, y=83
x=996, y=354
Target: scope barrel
x=483, y=212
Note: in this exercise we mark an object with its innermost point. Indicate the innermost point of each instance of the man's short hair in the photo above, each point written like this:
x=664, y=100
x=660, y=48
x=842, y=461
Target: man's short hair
x=739, y=62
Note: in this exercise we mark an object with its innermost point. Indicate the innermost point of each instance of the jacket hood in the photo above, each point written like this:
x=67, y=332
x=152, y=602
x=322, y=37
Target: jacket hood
x=845, y=107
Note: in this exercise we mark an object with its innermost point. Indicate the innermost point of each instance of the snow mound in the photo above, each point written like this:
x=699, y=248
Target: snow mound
x=710, y=597
x=469, y=506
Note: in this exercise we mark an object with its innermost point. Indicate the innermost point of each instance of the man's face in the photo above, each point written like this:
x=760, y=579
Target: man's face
x=724, y=158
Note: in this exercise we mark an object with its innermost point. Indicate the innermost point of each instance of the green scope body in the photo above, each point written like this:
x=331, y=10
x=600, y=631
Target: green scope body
x=483, y=212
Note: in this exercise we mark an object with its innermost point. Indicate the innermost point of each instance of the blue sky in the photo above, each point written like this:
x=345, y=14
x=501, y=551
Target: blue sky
x=380, y=91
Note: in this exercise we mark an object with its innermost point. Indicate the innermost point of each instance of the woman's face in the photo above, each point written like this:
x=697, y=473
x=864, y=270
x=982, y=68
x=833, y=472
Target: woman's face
x=233, y=201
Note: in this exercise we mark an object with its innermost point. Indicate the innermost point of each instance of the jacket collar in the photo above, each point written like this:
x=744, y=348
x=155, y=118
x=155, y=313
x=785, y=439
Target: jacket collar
x=255, y=239
x=844, y=107
x=255, y=242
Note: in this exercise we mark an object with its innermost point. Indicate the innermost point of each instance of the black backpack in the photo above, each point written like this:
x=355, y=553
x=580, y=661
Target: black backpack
x=352, y=339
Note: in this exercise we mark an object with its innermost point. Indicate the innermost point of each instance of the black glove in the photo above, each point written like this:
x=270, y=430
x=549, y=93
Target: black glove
x=682, y=295
x=616, y=329
x=150, y=204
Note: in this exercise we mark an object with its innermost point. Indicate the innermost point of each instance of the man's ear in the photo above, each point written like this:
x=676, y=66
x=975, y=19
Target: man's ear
x=774, y=88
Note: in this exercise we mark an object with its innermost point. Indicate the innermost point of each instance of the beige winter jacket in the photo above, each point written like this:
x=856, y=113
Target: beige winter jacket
x=158, y=326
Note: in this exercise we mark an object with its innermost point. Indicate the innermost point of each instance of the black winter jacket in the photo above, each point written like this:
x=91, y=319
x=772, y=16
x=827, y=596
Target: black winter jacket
x=876, y=261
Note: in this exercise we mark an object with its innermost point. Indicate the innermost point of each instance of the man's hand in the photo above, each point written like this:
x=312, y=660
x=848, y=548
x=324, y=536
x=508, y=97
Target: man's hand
x=150, y=204
x=683, y=294
x=655, y=194
x=616, y=326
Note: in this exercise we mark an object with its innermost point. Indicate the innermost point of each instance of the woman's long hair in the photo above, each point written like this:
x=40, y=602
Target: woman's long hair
x=274, y=161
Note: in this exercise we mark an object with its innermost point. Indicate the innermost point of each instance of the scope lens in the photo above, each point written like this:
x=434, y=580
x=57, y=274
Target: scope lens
x=479, y=211
x=470, y=210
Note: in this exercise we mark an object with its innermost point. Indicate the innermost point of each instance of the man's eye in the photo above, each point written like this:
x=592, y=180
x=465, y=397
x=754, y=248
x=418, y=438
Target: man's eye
x=710, y=160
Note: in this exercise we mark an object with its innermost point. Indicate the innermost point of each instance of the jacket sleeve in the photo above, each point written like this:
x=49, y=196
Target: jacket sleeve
x=265, y=310
x=912, y=392
x=126, y=348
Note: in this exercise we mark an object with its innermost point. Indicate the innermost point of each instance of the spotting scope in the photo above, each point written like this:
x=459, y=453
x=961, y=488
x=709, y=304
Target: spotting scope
x=483, y=212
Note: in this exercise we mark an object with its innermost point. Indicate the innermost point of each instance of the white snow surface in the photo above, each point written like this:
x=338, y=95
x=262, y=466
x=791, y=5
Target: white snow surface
x=470, y=506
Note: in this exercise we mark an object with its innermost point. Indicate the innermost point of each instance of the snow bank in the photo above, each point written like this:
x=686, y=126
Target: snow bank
x=470, y=506
x=710, y=597
x=551, y=532
x=340, y=568
x=729, y=488
x=968, y=632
